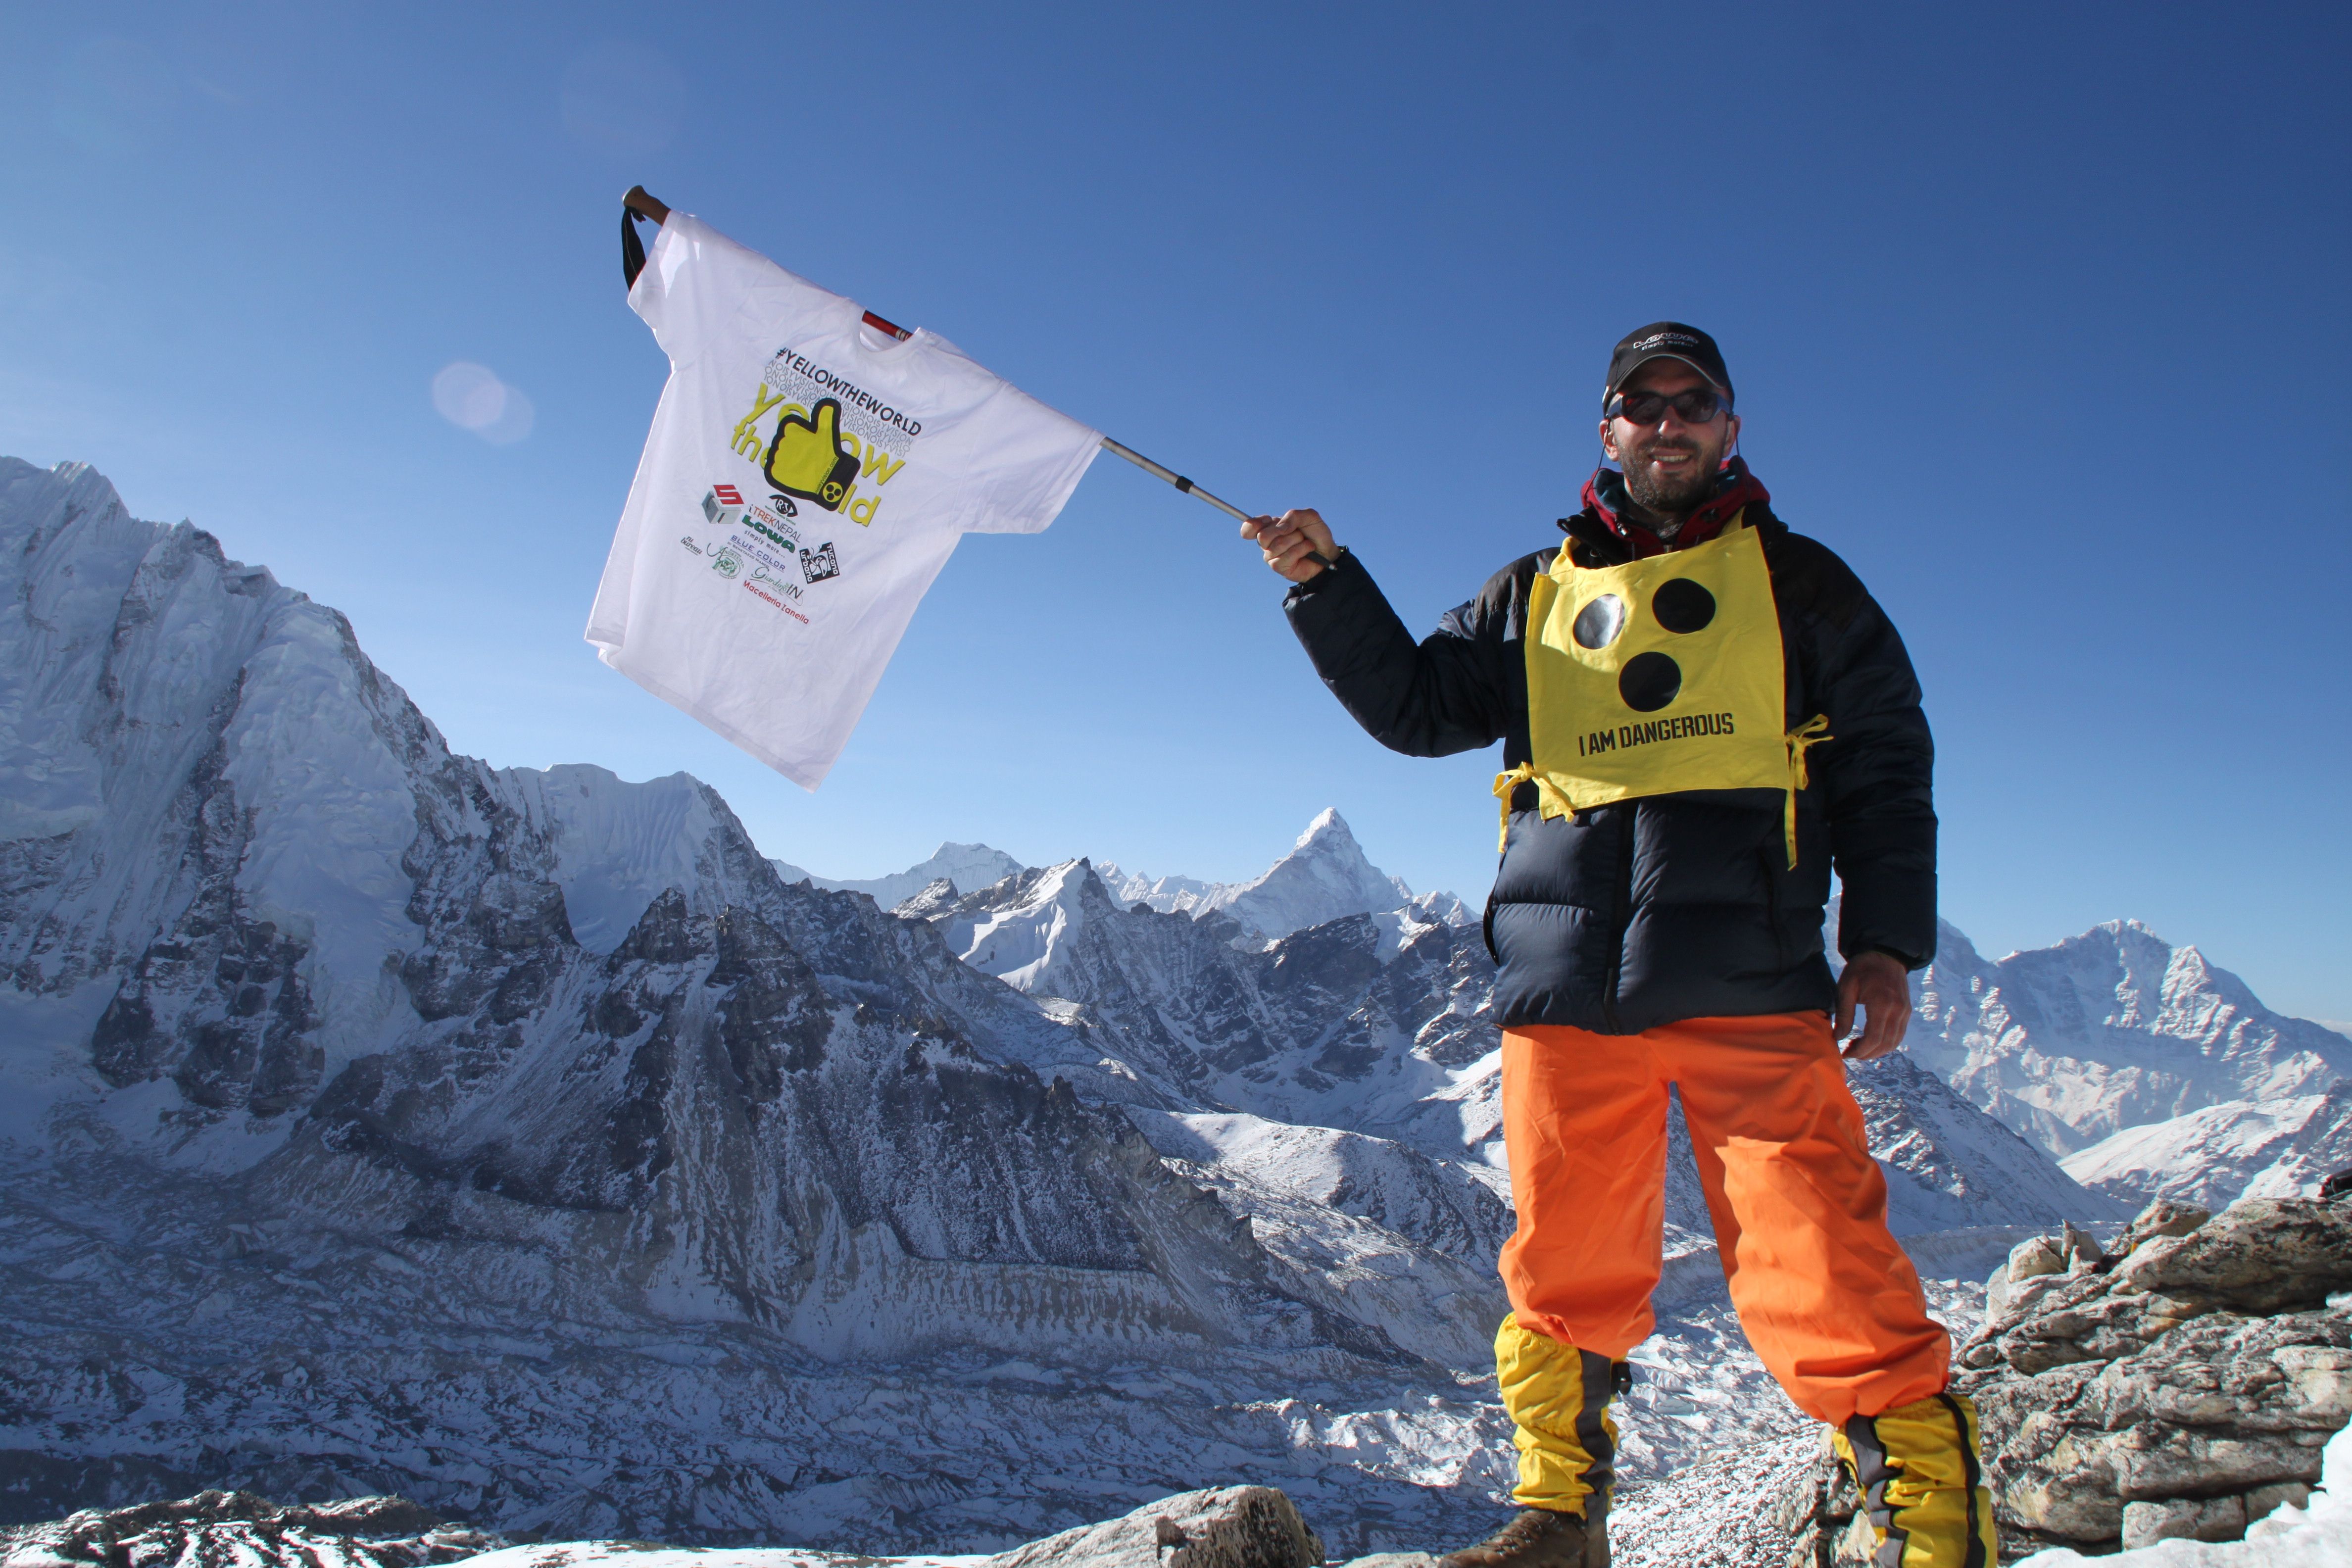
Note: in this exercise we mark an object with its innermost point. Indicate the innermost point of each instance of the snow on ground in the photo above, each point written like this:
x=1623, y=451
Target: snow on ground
x=2239, y=1149
x=1716, y=1513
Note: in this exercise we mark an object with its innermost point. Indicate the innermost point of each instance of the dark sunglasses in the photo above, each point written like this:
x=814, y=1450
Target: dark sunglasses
x=1698, y=406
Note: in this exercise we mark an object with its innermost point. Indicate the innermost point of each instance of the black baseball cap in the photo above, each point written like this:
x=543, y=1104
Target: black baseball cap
x=1665, y=340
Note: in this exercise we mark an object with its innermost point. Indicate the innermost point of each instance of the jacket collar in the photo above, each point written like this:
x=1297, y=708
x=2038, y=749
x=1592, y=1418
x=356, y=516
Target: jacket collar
x=1604, y=503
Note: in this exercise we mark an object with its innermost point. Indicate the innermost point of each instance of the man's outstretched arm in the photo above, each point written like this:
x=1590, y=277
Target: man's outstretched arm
x=1450, y=692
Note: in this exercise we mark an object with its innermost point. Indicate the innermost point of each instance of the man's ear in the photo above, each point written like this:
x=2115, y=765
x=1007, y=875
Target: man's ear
x=1608, y=440
x=1732, y=448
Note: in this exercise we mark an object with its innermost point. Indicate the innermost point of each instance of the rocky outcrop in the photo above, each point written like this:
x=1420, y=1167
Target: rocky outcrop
x=239, y=1530
x=2183, y=1385
x=1223, y=1527
x=1680, y=1523
x=1821, y=1512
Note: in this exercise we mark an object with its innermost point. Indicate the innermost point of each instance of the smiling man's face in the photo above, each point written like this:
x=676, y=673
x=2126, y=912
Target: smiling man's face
x=1670, y=463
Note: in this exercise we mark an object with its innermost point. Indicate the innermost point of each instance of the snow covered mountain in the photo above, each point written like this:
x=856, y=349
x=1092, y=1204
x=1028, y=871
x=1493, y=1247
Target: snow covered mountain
x=1325, y=876
x=525, y=1143
x=2145, y=1068
x=966, y=866
x=1354, y=1022
x=2239, y=1149
x=339, y=1159
x=2110, y=1029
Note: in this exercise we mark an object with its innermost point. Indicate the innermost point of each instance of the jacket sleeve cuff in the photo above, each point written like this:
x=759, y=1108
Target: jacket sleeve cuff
x=1340, y=568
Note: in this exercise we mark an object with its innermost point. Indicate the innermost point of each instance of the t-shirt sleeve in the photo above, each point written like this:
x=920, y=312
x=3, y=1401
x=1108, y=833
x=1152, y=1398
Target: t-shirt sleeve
x=698, y=283
x=1021, y=462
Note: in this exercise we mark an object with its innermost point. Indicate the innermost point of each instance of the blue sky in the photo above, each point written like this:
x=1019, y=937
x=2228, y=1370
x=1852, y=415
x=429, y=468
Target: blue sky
x=2037, y=315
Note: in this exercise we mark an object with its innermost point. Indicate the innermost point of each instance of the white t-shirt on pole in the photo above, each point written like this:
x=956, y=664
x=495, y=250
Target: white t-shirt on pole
x=805, y=479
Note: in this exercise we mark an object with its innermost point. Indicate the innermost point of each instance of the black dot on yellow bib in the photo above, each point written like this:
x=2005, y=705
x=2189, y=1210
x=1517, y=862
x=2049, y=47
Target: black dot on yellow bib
x=1682, y=606
x=1649, y=681
x=1657, y=676
x=1598, y=624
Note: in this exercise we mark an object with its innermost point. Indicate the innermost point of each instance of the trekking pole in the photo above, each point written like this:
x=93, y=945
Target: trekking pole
x=1173, y=477
x=1190, y=489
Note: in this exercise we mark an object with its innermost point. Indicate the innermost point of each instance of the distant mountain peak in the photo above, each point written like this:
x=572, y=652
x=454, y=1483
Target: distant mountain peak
x=971, y=866
x=1325, y=876
x=1328, y=823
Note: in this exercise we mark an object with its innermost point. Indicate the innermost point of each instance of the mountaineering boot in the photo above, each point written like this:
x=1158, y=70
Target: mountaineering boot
x=1537, y=1538
x=1922, y=1483
x=1558, y=1397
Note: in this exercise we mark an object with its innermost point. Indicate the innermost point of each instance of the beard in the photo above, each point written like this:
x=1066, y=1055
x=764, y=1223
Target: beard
x=1669, y=496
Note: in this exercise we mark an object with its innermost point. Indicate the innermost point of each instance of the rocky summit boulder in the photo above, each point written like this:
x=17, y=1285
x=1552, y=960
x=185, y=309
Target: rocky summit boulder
x=1223, y=1527
x=2182, y=1385
x=239, y=1529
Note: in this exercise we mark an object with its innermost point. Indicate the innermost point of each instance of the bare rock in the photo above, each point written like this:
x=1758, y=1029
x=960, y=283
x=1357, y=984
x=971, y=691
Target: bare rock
x=2162, y=1217
x=1223, y=1526
x=2184, y=1519
x=2264, y=1255
x=1818, y=1508
x=2182, y=1390
x=217, y=1529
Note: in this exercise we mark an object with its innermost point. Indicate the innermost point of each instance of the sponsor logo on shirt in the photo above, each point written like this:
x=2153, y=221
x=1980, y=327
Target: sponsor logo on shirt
x=832, y=442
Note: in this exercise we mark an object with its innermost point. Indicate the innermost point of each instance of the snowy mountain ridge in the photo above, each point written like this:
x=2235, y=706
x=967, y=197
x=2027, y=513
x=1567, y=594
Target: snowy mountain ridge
x=2114, y=1028
x=967, y=867
x=524, y=1142
x=1325, y=876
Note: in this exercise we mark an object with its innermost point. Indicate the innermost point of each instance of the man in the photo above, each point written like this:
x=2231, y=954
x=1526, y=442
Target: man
x=1701, y=713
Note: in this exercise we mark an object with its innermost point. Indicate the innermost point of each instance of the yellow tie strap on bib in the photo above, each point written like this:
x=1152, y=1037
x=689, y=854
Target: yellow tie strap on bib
x=1550, y=801
x=1802, y=739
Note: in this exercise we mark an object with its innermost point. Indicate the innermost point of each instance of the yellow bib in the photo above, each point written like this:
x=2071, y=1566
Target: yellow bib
x=1658, y=675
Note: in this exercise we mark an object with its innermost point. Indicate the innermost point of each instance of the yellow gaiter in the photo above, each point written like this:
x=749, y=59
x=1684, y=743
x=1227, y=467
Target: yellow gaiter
x=1922, y=1483
x=1658, y=675
x=1558, y=1397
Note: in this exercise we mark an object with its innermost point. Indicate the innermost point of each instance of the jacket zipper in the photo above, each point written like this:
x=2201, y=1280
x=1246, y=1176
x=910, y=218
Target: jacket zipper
x=1621, y=919
x=1772, y=901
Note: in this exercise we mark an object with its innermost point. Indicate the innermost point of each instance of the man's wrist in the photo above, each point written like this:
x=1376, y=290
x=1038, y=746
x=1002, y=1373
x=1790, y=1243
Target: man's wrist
x=1331, y=560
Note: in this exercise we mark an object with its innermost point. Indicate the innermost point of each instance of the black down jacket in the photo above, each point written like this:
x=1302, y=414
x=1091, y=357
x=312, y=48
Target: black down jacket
x=1676, y=906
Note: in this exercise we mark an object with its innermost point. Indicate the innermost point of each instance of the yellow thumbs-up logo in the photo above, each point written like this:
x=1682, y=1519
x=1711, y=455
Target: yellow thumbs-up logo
x=806, y=459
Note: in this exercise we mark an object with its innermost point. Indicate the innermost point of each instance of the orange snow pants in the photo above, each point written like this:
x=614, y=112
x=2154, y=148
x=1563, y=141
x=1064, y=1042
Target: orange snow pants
x=1829, y=1301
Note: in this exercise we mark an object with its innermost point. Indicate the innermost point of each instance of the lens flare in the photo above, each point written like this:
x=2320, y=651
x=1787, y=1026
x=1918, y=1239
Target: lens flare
x=472, y=397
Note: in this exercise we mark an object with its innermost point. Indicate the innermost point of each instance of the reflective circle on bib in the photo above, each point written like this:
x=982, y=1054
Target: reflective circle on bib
x=1658, y=675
